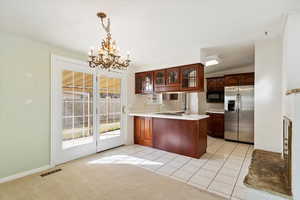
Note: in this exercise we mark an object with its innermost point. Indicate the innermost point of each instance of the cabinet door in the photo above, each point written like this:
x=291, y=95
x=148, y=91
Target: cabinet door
x=211, y=84
x=138, y=83
x=147, y=134
x=220, y=84
x=172, y=79
x=219, y=125
x=210, y=124
x=138, y=123
x=143, y=131
x=147, y=82
x=247, y=79
x=173, y=76
x=192, y=77
x=232, y=80
x=159, y=80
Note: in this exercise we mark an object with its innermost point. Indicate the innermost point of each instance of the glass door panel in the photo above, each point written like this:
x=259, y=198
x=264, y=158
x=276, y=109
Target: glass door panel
x=77, y=109
x=73, y=121
x=109, y=112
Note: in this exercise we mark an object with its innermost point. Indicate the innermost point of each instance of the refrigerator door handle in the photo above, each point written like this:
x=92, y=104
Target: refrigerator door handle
x=238, y=100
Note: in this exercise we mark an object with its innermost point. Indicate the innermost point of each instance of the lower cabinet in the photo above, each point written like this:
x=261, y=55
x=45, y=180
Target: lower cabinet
x=215, y=125
x=143, y=131
x=185, y=137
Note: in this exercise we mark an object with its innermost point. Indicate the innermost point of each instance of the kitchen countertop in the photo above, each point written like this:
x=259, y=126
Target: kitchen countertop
x=216, y=111
x=182, y=117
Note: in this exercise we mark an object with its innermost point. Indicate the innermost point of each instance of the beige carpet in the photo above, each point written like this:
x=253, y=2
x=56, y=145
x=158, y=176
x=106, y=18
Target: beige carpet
x=80, y=180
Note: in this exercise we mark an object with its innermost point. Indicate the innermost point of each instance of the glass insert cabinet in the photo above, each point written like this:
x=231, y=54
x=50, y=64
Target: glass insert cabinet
x=159, y=77
x=175, y=79
x=144, y=83
x=173, y=76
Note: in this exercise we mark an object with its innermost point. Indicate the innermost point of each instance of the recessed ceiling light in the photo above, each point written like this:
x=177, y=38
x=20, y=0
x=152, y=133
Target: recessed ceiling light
x=211, y=62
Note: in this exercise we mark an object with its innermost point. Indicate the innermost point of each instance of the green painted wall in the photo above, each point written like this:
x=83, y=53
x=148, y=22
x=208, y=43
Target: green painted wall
x=25, y=128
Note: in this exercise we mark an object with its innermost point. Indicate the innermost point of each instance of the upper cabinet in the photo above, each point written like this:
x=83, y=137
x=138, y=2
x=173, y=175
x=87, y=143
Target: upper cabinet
x=144, y=83
x=247, y=79
x=175, y=79
x=239, y=79
x=172, y=79
x=192, y=77
x=173, y=75
x=148, y=82
x=159, y=80
x=232, y=80
x=138, y=83
x=215, y=84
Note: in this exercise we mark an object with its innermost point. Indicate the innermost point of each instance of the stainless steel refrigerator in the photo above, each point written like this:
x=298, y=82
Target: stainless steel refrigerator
x=239, y=113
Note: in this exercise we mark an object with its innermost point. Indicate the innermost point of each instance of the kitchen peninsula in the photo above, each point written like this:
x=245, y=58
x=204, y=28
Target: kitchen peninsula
x=174, y=132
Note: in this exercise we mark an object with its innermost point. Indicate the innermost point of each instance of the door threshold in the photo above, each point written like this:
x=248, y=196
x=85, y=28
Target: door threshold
x=110, y=148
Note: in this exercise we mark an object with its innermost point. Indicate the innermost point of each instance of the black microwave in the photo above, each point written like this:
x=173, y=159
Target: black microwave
x=215, y=97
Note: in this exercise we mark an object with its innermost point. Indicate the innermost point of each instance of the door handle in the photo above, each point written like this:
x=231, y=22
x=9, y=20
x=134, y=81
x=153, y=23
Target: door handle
x=124, y=109
x=238, y=98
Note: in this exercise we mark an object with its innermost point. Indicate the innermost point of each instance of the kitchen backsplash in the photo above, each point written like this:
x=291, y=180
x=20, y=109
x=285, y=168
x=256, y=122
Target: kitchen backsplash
x=215, y=106
x=146, y=103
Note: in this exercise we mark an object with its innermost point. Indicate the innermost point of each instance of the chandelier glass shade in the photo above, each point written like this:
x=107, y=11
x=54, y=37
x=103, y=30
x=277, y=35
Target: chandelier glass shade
x=107, y=54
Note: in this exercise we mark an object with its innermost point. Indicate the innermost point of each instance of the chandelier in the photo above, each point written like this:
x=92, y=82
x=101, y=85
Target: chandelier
x=107, y=55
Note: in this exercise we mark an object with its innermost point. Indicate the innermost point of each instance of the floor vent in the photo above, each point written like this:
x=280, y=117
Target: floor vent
x=51, y=172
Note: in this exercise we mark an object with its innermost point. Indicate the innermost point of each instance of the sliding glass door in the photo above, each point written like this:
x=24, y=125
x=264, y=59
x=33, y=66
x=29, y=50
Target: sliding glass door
x=109, y=115
x=86, y=110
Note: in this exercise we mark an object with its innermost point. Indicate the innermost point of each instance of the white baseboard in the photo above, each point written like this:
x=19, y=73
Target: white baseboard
x=26, y=173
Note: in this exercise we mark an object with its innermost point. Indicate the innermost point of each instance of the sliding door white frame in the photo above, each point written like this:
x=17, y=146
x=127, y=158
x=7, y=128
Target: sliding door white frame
x=57, y=63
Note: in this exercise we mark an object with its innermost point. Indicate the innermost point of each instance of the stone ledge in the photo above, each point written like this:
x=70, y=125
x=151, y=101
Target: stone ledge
x=268, y=172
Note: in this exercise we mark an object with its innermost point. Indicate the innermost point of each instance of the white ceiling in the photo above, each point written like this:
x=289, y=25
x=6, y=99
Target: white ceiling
x=231, y=56
x=157, y=33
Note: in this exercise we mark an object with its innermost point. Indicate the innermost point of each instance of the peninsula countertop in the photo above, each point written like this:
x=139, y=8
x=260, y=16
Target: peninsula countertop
x=167, y=116
x=216, y=111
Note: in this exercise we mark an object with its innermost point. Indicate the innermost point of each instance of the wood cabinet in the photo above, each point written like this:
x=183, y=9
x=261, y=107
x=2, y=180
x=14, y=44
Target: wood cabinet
x=211, y=84
x=232, y=80
x=192, y=77
x=220, y=84
x=215, y=125
x=143, y=131
x=239, y=79
x=247, y=79
x=215, y=84
x=138, y=83
x=175, y=79
x=167, y=80
x=144, y=82
x=185, y=137
x=159, y=80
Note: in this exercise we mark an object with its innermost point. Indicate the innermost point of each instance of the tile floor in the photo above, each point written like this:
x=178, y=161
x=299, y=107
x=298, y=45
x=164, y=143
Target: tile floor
x=221, y=170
